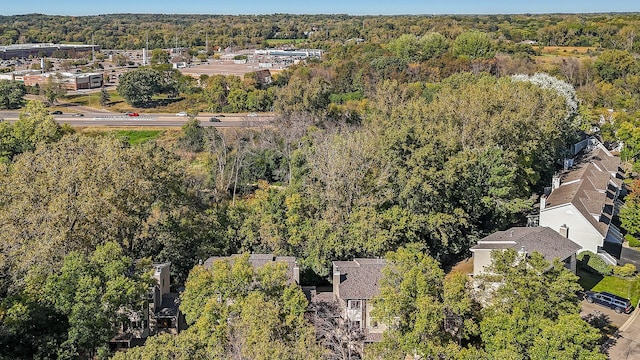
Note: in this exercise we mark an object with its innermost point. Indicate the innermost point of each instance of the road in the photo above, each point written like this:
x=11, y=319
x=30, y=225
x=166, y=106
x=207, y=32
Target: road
x=109, y=119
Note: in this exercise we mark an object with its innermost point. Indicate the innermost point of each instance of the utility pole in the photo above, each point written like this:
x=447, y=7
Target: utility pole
x=206, y=42
x=93, y=50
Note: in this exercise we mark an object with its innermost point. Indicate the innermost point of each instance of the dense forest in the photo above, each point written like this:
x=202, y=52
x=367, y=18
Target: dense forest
x=413, y=144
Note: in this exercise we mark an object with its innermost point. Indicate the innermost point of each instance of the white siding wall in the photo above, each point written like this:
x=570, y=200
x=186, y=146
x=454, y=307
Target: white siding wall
x=481, y=259
x=580, y=230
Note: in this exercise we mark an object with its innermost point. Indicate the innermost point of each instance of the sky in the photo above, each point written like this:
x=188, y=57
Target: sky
x=352, y=7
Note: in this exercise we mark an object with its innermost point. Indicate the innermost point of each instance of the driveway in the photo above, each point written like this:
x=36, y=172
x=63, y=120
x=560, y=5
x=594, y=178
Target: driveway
x=626, y=344
x=616, y=320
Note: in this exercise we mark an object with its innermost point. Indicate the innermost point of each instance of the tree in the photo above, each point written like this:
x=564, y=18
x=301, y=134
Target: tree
x=533, y=302
x=81, y=192
x=11, y=94
x=53, y=89
x=419, y=309
x=192, y=138
x=94, y=293
x=159, y=56
x=138, y=86
x=105, y=98
x=614, y=64
x=630, y=212
x=236, y=311
x=473, y=45
x=35, y=126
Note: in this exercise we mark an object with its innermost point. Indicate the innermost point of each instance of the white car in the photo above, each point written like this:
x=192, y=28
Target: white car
x=252, y=114
x=182, y=113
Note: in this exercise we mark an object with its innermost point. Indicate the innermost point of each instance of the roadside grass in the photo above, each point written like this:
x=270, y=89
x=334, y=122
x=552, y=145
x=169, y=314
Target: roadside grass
x=627, y=288
x=135, y=137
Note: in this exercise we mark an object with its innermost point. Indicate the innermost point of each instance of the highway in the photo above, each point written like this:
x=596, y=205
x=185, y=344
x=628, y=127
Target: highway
x=107, y=119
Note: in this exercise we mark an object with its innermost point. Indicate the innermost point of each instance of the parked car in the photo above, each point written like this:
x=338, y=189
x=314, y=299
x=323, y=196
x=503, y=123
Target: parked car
x=182, y=113
x=57, y=112
x=214, y=119
x=77, y=114
x=618, y=304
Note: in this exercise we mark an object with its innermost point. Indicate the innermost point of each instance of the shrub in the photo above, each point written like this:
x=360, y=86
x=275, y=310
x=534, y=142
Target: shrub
x=594, y=263
x=625, y=271
x=633, y=241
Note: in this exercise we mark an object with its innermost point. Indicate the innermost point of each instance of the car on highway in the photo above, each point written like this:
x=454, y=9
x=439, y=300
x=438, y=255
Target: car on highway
x=133, y=114
x=182, y=113
x=220, y=115
x=252, y=114
x=617, y=303
x=77, y=114
x=57, y=112
x=214, y=119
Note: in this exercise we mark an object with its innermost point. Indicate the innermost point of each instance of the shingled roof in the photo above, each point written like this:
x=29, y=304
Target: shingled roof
x=259, y=260
x=590, y=187
x=360, y=278
x=542, y=239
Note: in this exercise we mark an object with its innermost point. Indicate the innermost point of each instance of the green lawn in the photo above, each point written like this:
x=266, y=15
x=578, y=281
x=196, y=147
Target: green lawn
x=628, y=288
x=135, y=137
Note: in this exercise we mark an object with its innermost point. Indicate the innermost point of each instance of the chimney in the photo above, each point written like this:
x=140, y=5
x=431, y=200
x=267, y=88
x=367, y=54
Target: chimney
x=543, y=202
x=564, y=230
x=296, y=274
x=555, y=182
x=336, y=282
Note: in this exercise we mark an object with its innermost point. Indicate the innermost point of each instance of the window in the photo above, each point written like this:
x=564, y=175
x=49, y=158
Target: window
x=354, y=304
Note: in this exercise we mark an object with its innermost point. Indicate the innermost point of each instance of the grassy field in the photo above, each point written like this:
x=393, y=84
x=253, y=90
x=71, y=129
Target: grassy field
x=628, y=288
x=135, y=137
x=117, y=103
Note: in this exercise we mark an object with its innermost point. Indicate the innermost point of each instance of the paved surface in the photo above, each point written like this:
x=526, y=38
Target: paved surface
x=110, y=119
x=626, y=345
x=616, y=320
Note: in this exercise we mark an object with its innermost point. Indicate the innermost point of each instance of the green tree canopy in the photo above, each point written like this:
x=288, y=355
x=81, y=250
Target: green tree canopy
x=138, y=86
x=11, y=94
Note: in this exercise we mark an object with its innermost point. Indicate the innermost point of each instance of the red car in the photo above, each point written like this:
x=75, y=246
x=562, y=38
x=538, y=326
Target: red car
x=133, y=114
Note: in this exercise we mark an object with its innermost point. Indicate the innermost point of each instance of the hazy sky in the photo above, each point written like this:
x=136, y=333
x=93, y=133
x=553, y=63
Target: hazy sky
x=358, y=7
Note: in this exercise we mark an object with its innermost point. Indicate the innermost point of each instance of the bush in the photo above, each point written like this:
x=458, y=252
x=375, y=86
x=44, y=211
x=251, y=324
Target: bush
x=594, y=263
x=625, y=271
x=633, y=241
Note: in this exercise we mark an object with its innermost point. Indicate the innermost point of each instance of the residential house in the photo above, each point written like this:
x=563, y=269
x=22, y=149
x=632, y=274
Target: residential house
x=158, y=314
x=259, y=260
x=526, y=240
x=165, y=315
x=583, y=201
x=355, y=284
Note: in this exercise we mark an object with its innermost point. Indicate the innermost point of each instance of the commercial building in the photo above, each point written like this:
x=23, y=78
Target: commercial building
x=22, y=51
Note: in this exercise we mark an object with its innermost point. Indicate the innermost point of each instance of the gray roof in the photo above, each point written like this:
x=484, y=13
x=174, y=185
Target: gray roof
x=588, y=187
x=259, y=260
x=542, y=239
x=169, y=307
x=360, y=278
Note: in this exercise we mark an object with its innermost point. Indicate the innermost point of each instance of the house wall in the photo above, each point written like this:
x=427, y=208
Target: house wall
x=481, y=259
x=372, y=326
x=162, y=276
x=580, y=229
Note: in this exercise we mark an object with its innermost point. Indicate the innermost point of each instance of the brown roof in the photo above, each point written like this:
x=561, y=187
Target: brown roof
x=259, y=260
x=542, y=239
x=588, y=187
x=360, y=278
